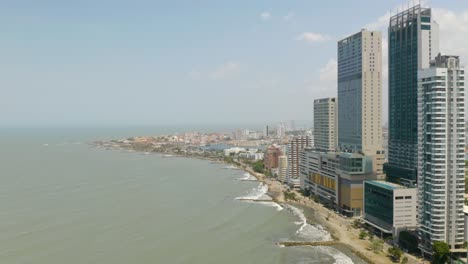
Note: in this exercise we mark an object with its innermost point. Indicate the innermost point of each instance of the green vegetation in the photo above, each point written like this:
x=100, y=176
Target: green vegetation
x=258, y=166
x=268, y=174
x=315, y=198
x=441, y=252
x=377, y=245
x=395, y=254
x=356, y=223
x=404, y=260
x=289, y=196
x=305, y=192
x=408, y=241
x=362, y=234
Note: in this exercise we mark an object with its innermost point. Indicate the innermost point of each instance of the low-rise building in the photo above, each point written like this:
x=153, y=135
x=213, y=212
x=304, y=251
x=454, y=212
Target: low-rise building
x=318, y=175
x=352, y=170
x=390, y=207
x=233, y=151
x=336, y=178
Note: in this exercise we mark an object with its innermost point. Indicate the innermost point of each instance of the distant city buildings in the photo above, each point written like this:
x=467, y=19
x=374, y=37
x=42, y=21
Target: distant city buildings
x=290, y=125
x=281, y=131
x=266, y=132
x=325, y=124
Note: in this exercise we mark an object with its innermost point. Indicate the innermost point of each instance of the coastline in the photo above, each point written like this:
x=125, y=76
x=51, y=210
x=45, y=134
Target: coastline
x=339, y=227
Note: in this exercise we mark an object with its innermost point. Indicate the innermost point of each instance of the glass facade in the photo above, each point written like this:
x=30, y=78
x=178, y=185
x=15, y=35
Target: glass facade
x=378, y=204
x=350, y=93
x=404, y=62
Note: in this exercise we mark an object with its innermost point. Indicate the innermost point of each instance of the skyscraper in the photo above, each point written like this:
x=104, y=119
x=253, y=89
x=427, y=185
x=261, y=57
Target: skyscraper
x=282, y=168
x=325, y=124
x=281, y=130
x=295, y=146
x=441, y=159
x=360, y=95
x=413, y=42
x=272, y=154
x=266, y=132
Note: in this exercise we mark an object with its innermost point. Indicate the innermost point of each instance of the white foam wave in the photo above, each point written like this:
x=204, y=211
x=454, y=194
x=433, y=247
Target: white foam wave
x=338, y=256
x=231, y=167
x=306, y=230
x=247, y=177
x=272, y=204
x=257, y=193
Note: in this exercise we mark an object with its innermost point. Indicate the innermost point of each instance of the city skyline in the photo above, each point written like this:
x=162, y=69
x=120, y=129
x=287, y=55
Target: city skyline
x=67, y=64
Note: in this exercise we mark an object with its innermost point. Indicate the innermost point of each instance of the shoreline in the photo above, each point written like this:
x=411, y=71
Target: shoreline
x=339, y=227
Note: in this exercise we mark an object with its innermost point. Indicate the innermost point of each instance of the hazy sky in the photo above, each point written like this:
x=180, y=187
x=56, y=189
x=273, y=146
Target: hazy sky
x=165, y=62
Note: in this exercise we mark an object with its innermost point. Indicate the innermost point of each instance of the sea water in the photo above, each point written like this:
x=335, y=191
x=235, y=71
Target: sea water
x=65, y=201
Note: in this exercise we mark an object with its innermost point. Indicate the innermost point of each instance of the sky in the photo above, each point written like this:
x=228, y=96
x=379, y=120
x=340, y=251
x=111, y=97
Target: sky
x=114, y=62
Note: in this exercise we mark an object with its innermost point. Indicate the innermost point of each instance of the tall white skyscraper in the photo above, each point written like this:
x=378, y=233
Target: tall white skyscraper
x=360, y=96
x=441, y=149
x=325, y=124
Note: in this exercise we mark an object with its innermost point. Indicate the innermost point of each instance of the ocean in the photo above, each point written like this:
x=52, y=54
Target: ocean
x=65, y=201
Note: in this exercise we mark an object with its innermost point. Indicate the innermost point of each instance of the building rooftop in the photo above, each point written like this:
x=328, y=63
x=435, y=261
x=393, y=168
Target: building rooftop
x=387, y=185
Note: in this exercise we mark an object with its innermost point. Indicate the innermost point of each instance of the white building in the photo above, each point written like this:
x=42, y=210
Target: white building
x=441, y=160
x=325, y=124
x=295, y=146
x=281, y=131
x=282, y=168
x=232, y=151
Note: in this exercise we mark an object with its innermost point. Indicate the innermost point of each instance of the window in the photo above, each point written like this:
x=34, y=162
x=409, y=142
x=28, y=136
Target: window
x=426, y=27
x=425, y=19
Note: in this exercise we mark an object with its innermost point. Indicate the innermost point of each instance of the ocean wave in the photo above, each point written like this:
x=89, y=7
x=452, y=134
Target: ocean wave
x=231, y=167
x=306, y=230
x=247, y=177
x=272, y=204
x=338, y=256
x=257, y=193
